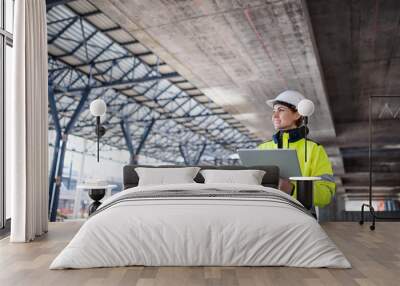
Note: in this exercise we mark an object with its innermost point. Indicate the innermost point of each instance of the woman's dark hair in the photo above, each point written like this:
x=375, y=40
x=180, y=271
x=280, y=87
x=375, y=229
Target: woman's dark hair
x=299, y=121
x=291, y=106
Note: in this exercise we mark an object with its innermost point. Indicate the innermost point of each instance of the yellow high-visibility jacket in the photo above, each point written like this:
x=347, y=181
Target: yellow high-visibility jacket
x=317, y=164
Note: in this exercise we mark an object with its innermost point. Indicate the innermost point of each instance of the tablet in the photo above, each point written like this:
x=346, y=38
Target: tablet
x=285, y=159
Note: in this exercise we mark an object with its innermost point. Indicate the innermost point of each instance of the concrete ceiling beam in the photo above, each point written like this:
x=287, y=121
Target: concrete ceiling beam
x=238, y=55
x=356, y=134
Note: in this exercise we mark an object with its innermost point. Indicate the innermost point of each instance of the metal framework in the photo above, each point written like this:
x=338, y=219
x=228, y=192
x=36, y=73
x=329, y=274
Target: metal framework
x=369, y=205
x=151, y=109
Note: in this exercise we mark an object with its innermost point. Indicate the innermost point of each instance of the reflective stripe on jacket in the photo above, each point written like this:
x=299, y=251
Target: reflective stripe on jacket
x=317, y=164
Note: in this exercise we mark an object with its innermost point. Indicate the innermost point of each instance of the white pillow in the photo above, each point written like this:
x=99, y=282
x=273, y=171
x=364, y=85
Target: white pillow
x=248, y=177
x=164, y=176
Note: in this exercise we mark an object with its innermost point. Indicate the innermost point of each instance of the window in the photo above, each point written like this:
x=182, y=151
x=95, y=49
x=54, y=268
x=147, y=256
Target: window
x=6, y=43
x=9, y=13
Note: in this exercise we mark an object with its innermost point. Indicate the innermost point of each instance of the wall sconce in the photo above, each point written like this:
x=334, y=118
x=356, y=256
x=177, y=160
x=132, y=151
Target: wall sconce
x=98, y=108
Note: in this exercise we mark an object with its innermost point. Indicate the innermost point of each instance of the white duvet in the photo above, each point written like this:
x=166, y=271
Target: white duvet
x=200, y=231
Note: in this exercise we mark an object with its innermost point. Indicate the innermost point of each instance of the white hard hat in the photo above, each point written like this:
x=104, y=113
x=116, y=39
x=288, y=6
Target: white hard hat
x=291, y=97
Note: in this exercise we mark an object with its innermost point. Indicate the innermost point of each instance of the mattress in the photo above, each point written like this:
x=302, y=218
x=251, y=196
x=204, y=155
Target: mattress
x=201, y=225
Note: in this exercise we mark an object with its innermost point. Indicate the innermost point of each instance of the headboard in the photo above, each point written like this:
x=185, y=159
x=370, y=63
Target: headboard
x=270, y=179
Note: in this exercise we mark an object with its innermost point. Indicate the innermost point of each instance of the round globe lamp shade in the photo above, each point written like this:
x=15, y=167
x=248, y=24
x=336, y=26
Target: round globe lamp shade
x=98, y=107
x=305, y=107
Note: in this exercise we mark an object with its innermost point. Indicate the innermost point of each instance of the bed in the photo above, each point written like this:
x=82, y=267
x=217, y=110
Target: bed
x=198, y=224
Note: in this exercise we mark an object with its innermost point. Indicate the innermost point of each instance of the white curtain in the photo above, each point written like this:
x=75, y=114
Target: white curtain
x=28, y=123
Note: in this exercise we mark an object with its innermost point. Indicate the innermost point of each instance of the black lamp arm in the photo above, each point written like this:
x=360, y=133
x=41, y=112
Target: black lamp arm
x=305, y=121
x=100, y=131
x=98, y=135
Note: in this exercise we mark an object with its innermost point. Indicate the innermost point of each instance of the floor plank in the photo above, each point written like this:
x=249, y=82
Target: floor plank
x=375, y=257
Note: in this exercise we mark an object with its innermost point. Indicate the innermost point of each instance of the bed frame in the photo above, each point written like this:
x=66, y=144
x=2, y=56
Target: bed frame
x=270, y=179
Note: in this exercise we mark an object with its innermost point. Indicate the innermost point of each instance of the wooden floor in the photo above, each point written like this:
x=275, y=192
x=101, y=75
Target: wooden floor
x=375, y=256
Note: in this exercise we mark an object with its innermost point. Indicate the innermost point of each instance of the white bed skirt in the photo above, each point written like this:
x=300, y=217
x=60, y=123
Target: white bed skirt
x=200, y=232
